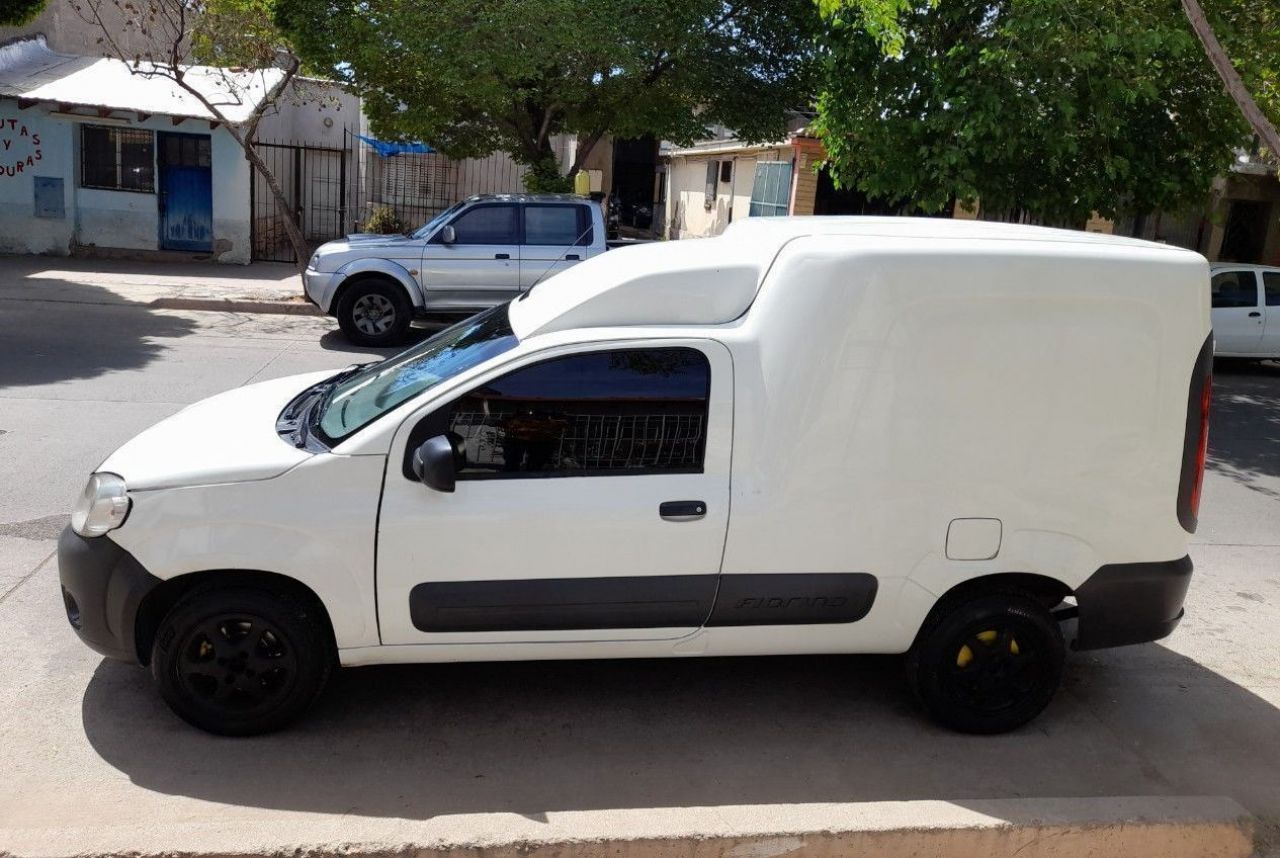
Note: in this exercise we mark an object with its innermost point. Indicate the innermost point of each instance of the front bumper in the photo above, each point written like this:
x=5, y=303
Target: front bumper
x=102, y=587
x=318, y=287
x=1129, y=603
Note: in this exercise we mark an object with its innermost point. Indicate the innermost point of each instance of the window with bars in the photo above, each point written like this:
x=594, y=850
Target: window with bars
x=638, y=411
x=771, y=193
x=117, y=159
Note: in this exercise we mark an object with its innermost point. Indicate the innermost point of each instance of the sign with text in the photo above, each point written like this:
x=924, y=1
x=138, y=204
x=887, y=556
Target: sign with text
x=19, y=148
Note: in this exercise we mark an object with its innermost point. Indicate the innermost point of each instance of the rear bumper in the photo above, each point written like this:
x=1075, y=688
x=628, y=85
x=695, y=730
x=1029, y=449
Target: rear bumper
x=102, y=587
x=1129, y=603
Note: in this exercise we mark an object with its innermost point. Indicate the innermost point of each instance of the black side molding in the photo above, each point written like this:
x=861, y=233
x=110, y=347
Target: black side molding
x=793, y=599
x=641, y=602
x=102, y=588
x=1129, y=603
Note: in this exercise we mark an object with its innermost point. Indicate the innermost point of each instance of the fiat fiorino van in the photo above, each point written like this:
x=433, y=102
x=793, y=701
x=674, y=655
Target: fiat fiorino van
x=967, y=442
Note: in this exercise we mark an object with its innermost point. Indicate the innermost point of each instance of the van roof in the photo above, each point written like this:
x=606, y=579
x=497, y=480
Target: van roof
x=713, y=281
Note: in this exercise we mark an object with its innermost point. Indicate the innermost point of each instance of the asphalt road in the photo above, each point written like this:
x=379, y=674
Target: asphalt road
x=87, y=745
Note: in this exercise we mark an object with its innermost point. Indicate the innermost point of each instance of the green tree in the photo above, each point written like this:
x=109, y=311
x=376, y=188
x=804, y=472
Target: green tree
x=15, y=13
x=472, y=77
x=1053, y=107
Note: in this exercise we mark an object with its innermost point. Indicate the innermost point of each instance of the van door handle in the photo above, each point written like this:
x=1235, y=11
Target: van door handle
x=573, y=256
x=1254, y=315
x=502, y=256
x=682, y=510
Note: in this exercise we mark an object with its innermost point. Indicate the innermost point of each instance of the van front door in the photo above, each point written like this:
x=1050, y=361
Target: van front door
x=591, y=503
x=1237, y=313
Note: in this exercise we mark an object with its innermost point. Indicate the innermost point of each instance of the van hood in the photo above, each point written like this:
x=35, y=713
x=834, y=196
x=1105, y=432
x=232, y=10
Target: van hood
x=226, y=438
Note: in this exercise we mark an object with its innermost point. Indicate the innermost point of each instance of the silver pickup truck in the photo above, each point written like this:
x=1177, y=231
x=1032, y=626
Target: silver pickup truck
x=477, y=254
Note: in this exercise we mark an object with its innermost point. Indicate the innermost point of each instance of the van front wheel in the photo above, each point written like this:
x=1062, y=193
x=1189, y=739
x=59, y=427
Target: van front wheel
x=239, y=661
x=374, y=312
x=988, y=663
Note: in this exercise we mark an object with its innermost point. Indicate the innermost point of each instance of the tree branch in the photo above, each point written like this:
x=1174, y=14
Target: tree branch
x=1231, y=78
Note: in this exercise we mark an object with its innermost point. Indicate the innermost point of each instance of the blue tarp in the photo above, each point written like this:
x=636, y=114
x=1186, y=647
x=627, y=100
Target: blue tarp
x=386, y=149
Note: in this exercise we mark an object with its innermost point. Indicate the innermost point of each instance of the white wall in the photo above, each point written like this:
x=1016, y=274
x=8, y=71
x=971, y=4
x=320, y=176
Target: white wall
x=47, y=144
x=100, y=218
x=686, y=211
x=301, y=114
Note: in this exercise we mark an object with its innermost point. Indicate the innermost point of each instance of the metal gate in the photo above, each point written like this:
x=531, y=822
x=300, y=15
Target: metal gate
x=315, y=181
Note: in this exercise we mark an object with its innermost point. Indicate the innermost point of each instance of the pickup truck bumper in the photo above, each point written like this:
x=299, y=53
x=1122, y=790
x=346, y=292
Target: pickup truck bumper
x=319, y=287
x=1129, y=603
x=102, y=587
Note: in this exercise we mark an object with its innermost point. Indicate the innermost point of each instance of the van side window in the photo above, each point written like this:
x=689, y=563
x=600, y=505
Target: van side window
x=1271, y=280
x=634, y=411
x=1235, y=289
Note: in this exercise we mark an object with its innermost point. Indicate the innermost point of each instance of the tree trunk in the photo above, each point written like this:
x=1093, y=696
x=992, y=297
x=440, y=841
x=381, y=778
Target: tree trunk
x=1231, y=78
x=585, y=147
x=292, y=228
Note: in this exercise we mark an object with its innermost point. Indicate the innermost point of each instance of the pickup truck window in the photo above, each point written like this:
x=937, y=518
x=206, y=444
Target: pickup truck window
x=439, y=220
x=556, y=225
x=487, y=225
x=635, y=411
x=361, y=398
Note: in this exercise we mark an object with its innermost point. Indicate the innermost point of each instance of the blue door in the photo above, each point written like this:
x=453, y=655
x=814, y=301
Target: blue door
x=186, y=192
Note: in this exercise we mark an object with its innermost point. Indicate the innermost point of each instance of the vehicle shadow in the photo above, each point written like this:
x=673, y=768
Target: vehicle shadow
x=1244, y=431
x=47, y=341
x=416, y=742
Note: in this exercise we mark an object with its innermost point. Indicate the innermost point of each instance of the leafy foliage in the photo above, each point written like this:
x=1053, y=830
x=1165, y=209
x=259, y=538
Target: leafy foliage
x=1052, y=107
x=383, y=220
x=476, y=76
x=1250, y=32
x=15, y=13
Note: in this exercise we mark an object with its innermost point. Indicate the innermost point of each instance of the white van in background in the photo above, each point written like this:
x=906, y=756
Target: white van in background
x=1246, y=310
x=811, y=435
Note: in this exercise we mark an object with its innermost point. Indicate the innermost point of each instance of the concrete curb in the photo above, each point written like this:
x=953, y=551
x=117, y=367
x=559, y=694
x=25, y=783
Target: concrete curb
x=1134, y=827
x=237, y=305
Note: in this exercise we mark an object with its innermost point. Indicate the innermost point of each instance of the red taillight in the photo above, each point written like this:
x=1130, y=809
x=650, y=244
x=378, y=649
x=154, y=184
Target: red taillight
x=1202, y=446
x=1195, y=439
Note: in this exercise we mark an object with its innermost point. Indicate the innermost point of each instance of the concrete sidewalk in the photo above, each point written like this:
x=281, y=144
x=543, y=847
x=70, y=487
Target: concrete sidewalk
x=263, y=287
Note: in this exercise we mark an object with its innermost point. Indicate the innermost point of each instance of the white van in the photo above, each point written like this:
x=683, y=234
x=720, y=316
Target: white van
x=811, y=435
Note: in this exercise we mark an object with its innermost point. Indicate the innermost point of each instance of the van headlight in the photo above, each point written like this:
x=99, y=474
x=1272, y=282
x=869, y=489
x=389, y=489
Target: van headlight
x=103, y=505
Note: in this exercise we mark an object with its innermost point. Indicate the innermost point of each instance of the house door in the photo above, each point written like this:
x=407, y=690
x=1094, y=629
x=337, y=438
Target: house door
x=186, y=192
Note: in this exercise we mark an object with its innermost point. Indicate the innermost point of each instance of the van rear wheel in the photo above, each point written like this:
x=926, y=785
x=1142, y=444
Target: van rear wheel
x=239, y=661
x=374, y=312
x=987, y=664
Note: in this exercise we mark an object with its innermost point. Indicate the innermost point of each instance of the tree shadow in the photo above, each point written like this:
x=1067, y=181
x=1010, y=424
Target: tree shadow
x=1244, y=431
x=44, y=342
x=421, y=741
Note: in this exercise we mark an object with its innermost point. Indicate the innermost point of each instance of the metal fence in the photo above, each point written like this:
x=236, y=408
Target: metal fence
x=330, y=192
x=574, y=442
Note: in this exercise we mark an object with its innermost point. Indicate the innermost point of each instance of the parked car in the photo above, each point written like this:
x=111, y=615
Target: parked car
x=1246, y=310
x=482, y=252
x=963, y=441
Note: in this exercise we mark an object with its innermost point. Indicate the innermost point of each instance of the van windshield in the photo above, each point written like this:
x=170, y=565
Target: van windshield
x=363, y=397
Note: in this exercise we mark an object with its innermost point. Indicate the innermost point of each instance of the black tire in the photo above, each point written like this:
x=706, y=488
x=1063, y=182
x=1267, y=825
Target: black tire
x=374, y=312
x=239, y=661
x=987, y=663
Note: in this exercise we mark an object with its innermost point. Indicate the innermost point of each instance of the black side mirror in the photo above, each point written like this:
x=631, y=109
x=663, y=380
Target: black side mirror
x=434, y=464
x=448, y=235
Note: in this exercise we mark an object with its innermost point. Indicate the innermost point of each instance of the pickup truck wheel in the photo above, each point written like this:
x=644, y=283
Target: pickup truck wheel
x=988, y=663
x=240, y=661
x=373, y=312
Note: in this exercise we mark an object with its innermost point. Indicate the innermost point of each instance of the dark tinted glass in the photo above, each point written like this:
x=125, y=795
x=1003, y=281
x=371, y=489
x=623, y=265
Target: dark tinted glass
x=1271, y=280
x=117, y=158
x=1235, y=289
x=615, y=412
x=551, y=225
x=486, y=225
